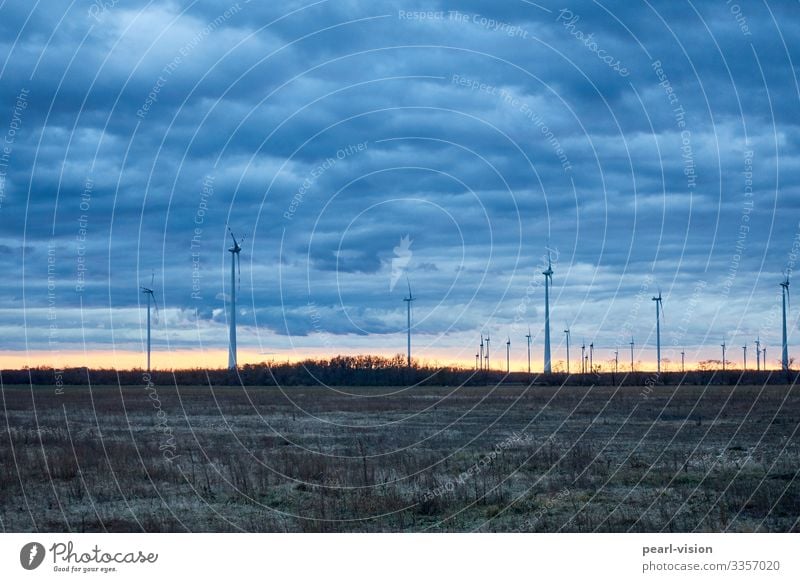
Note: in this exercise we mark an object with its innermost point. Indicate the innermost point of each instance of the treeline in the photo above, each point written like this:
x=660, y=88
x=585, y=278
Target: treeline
x=366, y=370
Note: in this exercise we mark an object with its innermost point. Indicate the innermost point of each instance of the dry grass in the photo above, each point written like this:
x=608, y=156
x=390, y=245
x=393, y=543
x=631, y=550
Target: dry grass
x=581, y=459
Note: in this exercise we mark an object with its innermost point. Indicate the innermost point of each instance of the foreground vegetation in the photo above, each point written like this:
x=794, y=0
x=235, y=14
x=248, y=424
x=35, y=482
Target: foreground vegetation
x=507, y=458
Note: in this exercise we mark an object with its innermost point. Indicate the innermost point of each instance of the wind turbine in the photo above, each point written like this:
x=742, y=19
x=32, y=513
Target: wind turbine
x=481, y=352
x=723, y=355
x=508, y=355
x=631, y=354
x=758, y=354
x=591, y=357
x=744, y=355
x=408, y=301
x=487, y=351
x=150, y=296
x=583, y=357
x=566, y=332
x=616, y=360
x=785, y=346
x=683, y=360
x=529, y=349
x=235, y=263
x=659, y=312
x=548, y=281
x=476, y=361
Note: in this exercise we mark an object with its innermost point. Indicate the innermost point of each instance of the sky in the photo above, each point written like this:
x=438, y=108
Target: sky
x=358, y=147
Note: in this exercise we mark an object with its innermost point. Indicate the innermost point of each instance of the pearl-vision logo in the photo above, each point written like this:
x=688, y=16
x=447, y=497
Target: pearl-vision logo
x=31, y=555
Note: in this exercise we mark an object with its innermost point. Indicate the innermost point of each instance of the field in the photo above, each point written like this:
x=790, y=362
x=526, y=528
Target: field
x=507, y=458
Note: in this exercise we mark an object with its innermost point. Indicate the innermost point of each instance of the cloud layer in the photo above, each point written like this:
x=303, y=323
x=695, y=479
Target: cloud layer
x=649, y=147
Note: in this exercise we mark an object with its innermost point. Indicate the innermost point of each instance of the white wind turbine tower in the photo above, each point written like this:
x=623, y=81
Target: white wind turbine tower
x=488, y=338
x=659, y=313
x=408, y=301
x=758, y=354
x=481, y=366
x=528, y=337
x=566, y=333
x=631, y=354
x=548, y=281
x=785, y=345
x=723, y=355
x=235, y=264
x=150, y=296
x=744, y=357
x=508, y=355
x=583, y=357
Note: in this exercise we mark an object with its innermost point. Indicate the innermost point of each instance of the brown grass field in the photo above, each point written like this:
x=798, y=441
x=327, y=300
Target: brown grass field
x=507, y=458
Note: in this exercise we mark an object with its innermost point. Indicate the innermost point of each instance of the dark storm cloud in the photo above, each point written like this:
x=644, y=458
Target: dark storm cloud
x=327, y=133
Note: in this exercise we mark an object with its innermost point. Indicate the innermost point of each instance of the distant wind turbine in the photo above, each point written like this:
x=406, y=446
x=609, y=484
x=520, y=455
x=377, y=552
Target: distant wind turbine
x=744, y=357
x=487, y=351
x=548, y=281
x=758, y=354
x=683, y=360
x=150, y=296
x=631, y=354
x=235, y=266
x=616, y=360
x=785, y=345
x=659, y=312
x=508, y=355
x=408, y=301
x=481, y=352
x=591, y=357
x=583, y=357
x=528, y=337
x=723, y=355
x=566, y=333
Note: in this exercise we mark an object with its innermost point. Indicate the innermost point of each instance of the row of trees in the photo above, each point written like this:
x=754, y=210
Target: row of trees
x=366, y=370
